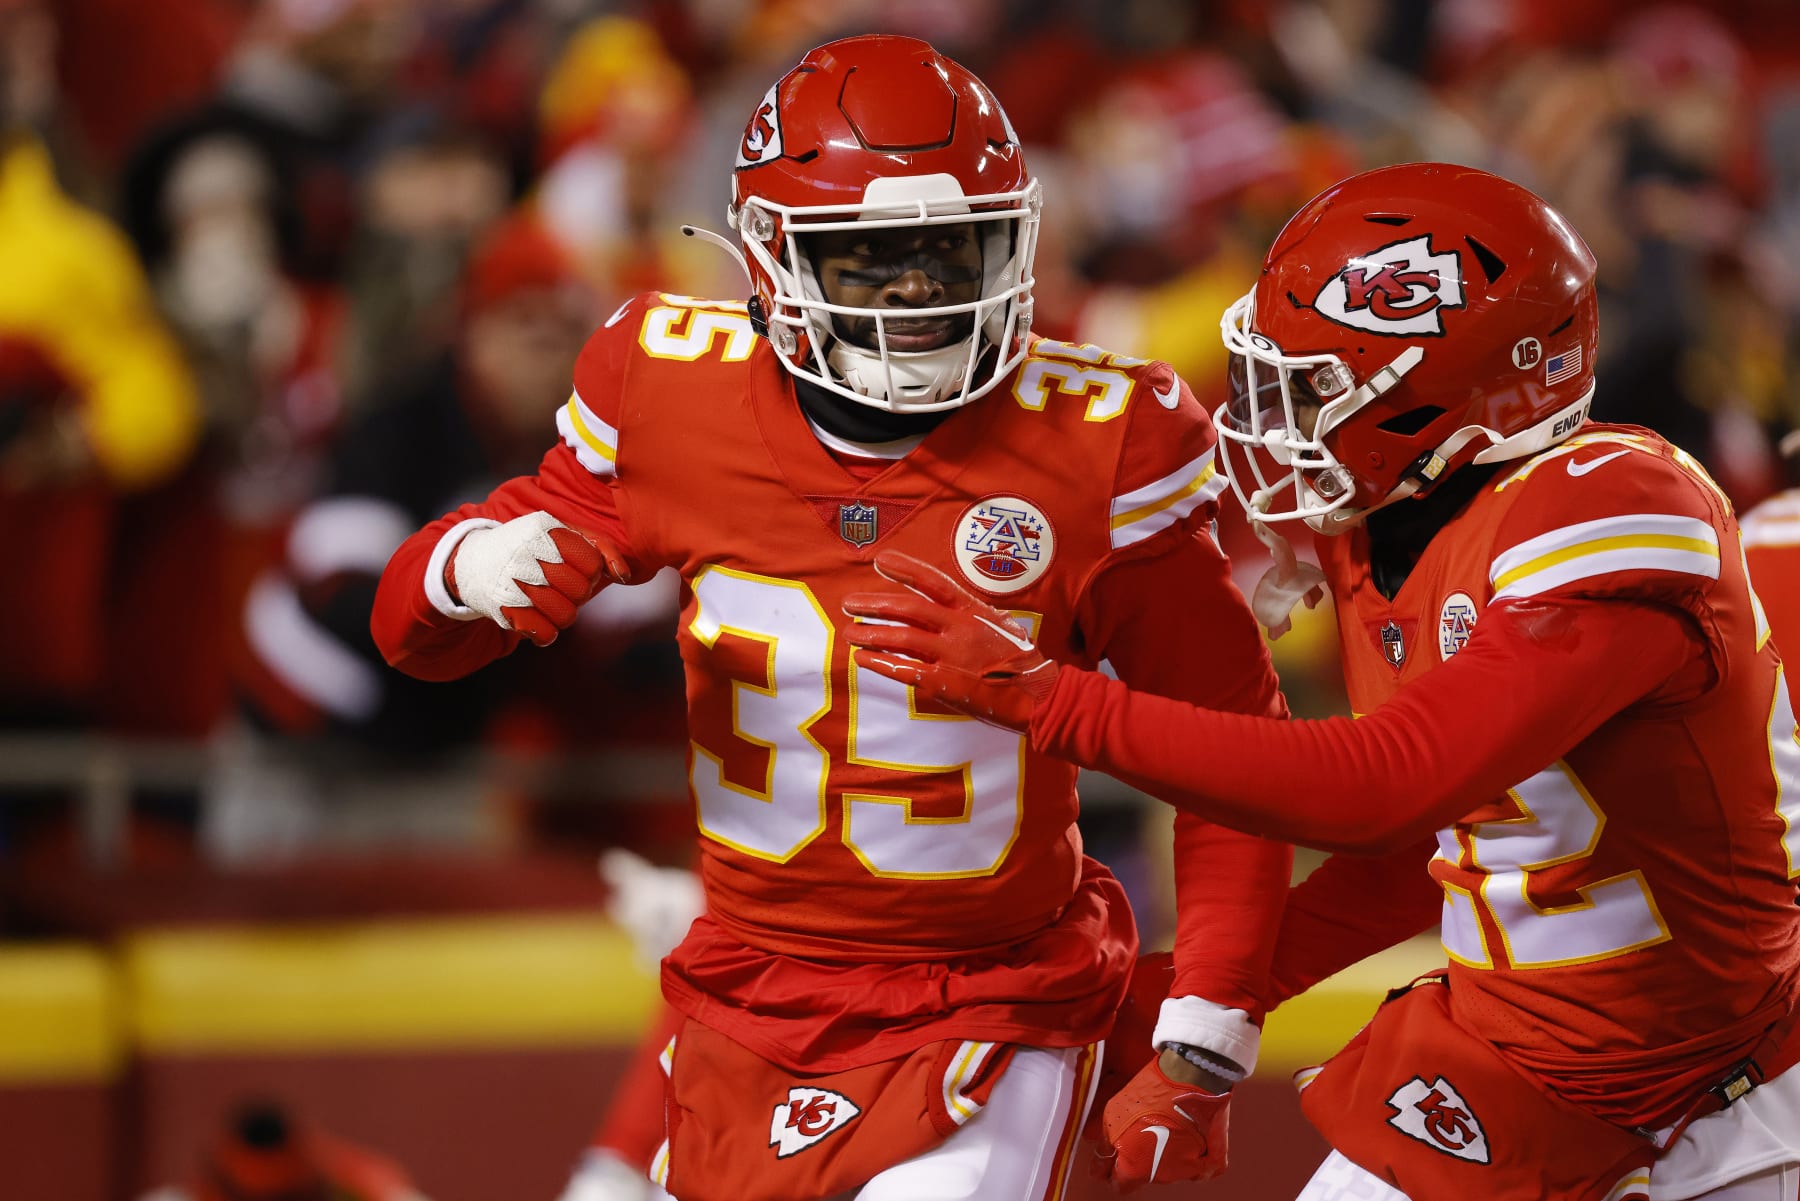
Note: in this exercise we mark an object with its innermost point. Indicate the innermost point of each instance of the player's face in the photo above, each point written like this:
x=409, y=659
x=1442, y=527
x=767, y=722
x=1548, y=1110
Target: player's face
x=902, y=268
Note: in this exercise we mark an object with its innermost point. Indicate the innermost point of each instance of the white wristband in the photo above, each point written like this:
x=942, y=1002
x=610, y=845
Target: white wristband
x=435, y=592
x=1197, y=1022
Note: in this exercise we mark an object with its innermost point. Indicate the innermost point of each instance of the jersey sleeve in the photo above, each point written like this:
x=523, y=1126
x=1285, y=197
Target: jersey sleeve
x=1532, y=683
x=1172, y=622
x=589, y=423
x=1166, y=483
x=1613, y=519
x=415, y=626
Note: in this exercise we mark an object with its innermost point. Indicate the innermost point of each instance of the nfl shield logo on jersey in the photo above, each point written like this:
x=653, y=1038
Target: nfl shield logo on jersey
x=808, y=1116
x=1436, y=1115
x=1004, y=543
x=1393, y=644
x=1456, y=621
x=857, y=523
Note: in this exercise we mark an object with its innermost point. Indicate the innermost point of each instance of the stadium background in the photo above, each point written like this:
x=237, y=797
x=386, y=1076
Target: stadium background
x=276, y=273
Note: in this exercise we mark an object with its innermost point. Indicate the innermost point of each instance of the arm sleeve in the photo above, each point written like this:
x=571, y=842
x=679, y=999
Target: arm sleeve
x=421, y=639
x=1176, y=625
x=1351, y=907
x=1533, y=682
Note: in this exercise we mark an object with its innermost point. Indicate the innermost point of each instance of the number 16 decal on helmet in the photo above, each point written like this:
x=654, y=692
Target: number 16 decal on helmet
x=1388, y=343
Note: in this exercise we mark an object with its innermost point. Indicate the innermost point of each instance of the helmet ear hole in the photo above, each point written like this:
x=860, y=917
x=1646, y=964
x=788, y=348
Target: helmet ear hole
x=1412, y=421
x=1492, y=265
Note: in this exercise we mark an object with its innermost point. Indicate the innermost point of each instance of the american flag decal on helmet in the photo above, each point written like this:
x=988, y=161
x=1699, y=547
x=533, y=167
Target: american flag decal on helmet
x=1560, y=367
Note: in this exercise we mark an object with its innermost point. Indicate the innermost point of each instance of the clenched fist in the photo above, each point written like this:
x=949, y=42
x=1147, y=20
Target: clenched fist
x=1158, y=1131
x=530, y=574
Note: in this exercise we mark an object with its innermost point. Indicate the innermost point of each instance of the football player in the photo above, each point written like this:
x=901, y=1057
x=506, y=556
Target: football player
x=1575, y=750
x=906, y=965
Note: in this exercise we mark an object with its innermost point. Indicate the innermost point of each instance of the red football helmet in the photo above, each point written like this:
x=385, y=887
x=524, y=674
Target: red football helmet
x=1407, y=322
x=872, y=132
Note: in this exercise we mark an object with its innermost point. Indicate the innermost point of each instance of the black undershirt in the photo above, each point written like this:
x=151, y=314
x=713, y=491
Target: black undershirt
x=1399, y=534
x=844, y=418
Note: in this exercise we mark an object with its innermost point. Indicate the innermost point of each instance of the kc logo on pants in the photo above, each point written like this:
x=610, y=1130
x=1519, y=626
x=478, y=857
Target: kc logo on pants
x=808, y=1116
x=1437, y=1116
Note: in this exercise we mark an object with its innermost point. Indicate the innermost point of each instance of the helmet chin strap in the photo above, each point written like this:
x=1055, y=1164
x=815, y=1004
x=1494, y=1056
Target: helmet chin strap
x=1429, y=468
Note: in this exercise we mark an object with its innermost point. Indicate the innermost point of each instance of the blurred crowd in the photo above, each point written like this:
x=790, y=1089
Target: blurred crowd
x=282, y=279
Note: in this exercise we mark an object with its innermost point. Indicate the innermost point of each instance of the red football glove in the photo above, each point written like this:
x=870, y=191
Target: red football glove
x=951, y=646
x=531, y=574
x=1158, y=1131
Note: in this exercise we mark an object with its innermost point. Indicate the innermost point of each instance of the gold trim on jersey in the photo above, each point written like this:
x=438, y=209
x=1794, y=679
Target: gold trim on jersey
x=1633, y=542
x=595, y=443
x=1784, y=767
x=1764, y=631
x=1142, y=512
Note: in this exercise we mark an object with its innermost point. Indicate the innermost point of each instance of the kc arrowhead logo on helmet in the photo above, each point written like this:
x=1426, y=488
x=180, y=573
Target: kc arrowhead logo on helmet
x=1400, y=290
x=762, y=137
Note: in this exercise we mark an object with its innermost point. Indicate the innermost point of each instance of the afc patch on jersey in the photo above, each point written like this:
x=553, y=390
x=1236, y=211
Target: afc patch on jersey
x=808, y=1116
x=1456, y=621
x=1437, y=1116
x=1004, y=543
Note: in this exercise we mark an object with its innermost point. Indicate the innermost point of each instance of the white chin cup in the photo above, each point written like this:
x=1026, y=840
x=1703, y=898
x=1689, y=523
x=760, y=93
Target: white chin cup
x=917, y=378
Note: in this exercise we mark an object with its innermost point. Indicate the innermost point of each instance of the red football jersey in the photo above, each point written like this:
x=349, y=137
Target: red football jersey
x=1772, y=546
x=1630, y=905
x=842, y=820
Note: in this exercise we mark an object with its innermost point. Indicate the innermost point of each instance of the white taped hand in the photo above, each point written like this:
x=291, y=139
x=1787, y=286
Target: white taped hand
x=491, y=563
x=531, y=574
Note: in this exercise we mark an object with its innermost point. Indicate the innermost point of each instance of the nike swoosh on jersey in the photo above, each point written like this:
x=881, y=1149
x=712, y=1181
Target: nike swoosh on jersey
x=1169, y=399
x=1580, y=469
x=1162, y=1141
x=998, y=628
